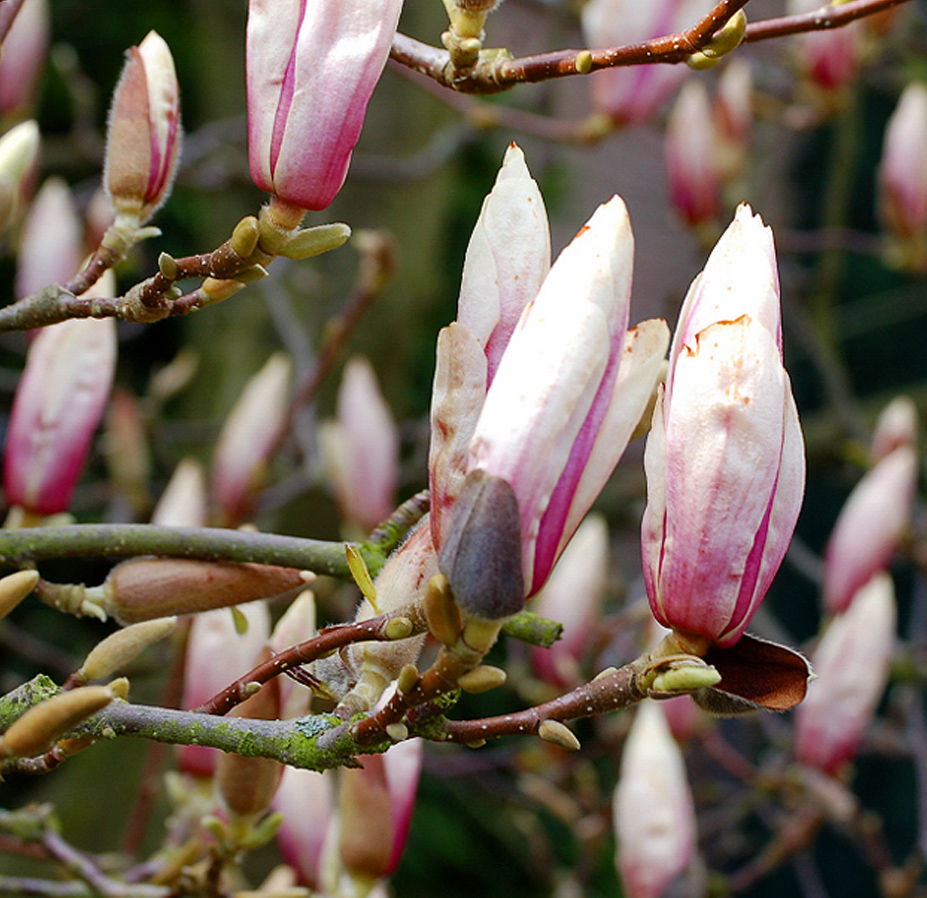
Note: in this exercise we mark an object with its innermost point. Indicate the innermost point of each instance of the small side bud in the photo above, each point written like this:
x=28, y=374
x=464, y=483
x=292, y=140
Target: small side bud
x=121, y=647
x=399, y=628
x=398, y=732
x=558, y=734
x=43, y=725
x=482, y=679
x=441, y=612
x=408, y=679
x=684, y=678
x=168, y=266
x=245, y=236
x=308, y=242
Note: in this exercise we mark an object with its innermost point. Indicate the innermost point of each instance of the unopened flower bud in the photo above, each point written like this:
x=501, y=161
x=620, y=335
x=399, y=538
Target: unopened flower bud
x=869, y=527
x=311, y=71
x=361, y=448
x=58, y=404
x=691, y=158
x=19, y=149
x=218, y=654
x=902, y=178
x=246, y=786
x=183, y=502
x=144, y=131
x=24, y=49
x=50, y=242
x=558, y=734
x=121, y=647
x=895, y=427
x=852, y=665
x=44, y=724
x=145, y=588
x=250, y=432
x=653, y=808
x=631, y=95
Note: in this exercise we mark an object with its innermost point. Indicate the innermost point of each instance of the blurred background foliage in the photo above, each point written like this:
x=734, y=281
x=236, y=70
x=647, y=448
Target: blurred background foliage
x=514, y=819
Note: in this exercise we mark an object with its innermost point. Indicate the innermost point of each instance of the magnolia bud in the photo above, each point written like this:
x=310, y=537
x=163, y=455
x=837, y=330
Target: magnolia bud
x=14, y=588
x=121, y=647
x=144, y=588
x=247, y=786
x=19, y=148
x=42, y=725
x=144, y=131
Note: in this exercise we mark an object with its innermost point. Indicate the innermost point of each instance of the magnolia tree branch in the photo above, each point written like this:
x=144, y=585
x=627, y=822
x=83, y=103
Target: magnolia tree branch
x=496, y=71
x=322, y=741
x=20, y=548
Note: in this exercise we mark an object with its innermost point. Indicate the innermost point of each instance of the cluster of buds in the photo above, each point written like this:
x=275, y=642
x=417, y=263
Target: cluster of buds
x=853, y=658
x=517, y=460
x=629, y=96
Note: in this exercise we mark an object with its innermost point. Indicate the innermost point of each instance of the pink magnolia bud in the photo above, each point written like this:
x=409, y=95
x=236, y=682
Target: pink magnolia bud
x=569, y=392
x=902, y=176
x=573, y=595
x=507, y=260
x=733, y=118
x=869, y=527
x=852, y=664
x=296, y=624
x=58, y=404
x=632, y=94
x=692, y=160
x=50, y=243
x=23, y=56
x=19, y=150
x=896, y=427
x=217, y=654
x=375, y=810
x=361, y=448
x=725, y=456
x=311, y=70
x=653, y=810
x=306, y=800
x=831, y=57
x=183, y=502
x=144, y=131
x=249, y=434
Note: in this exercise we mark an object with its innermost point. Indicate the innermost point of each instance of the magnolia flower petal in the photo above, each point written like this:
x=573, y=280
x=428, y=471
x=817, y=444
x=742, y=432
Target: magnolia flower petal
x=724, y=433
x=507, y=259
x=456, y=399
x=554, y=383
x=642, y=361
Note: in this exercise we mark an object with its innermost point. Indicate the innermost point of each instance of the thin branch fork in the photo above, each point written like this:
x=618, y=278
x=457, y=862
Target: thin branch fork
x=497, y=73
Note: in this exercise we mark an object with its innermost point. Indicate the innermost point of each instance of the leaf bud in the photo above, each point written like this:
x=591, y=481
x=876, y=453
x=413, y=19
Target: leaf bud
x=42, y=725
x=121, y=647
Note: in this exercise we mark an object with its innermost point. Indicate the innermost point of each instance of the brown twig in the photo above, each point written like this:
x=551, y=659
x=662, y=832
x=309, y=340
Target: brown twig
x=611, y=690
x=496, y=73
x=328, y=640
